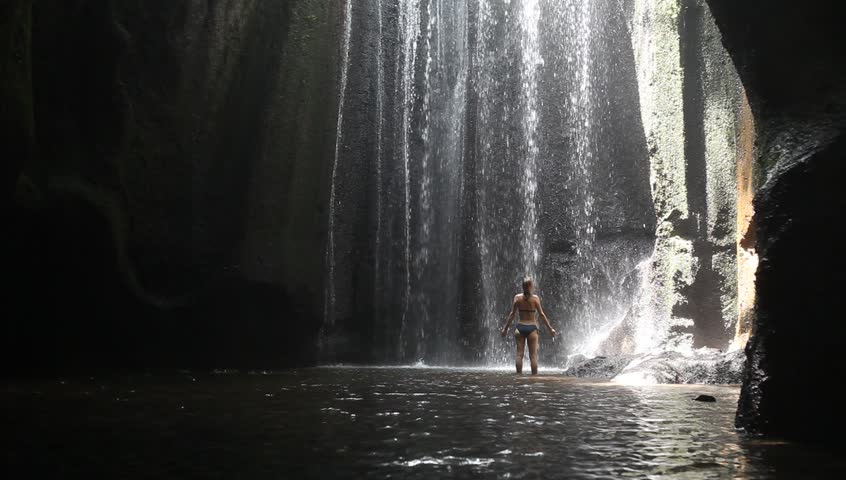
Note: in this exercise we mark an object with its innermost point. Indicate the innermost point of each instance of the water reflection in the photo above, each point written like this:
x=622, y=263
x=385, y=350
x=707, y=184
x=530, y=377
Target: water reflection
x=411, y=423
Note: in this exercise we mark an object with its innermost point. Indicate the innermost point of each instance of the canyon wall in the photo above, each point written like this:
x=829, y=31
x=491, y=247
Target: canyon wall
x=693, y=109
x=185, y=167
x=170, y=207
x=789, y=57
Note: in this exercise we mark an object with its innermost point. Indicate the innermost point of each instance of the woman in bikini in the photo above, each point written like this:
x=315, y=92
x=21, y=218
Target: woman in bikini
x=527, y=326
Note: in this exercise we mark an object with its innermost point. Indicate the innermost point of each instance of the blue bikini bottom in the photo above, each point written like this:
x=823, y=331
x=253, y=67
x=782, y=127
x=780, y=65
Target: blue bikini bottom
x=526, y=330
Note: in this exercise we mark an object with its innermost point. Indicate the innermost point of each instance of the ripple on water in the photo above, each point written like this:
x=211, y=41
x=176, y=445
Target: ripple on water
x=447, y=460
x=417, y=423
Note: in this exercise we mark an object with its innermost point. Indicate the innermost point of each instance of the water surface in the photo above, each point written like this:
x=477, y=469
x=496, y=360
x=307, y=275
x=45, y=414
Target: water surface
x=381, y=422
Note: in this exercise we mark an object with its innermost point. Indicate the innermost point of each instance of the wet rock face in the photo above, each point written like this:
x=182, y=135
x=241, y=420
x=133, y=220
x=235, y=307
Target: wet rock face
x=692, y=108
x=788, y=56
x=598, y=367
x=703, y=366
x=180, y=178
x=713, y=103
x=797, y=335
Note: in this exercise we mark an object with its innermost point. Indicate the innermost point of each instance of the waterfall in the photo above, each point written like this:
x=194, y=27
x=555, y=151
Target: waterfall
x=508, y=59
x=329, y=300
x=531, y=61
x=379, y=286
x=489, y=163
x=410, y=25
x=580, y=59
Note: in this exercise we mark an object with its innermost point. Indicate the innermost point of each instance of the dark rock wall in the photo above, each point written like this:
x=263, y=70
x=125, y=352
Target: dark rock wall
x=354, y=222
x=173, y=213
x=789, y=56
x=16, y=116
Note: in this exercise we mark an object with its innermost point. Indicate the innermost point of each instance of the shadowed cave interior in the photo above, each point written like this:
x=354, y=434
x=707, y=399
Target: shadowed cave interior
x=269, y=185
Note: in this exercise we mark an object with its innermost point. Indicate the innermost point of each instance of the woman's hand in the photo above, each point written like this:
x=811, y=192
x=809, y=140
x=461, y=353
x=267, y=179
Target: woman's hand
x=503, y=332
x=553, y=332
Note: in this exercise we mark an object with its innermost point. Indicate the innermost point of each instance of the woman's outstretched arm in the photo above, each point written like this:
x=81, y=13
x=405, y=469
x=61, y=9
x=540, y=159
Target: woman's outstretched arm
x=510, y=317
x=545, y=320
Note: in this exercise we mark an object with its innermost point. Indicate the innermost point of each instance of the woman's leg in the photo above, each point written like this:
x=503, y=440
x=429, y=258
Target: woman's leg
x=521, y=347
x=533, y=351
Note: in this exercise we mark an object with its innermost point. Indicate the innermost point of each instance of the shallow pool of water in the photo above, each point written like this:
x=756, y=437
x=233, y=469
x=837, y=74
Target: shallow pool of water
x=381, y=422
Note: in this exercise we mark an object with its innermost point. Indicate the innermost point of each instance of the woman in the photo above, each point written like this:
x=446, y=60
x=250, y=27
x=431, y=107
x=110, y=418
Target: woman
x=527, y=326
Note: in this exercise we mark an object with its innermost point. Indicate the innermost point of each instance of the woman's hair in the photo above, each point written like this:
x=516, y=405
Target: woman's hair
x=527, y=287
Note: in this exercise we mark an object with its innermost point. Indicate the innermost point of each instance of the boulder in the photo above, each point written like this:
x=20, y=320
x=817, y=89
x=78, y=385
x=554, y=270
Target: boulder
x=703, y=366
x=598, y=367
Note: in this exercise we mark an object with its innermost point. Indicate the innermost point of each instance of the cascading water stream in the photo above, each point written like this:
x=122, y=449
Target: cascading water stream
x=380, y=114
x=531, y=61
x=409, y=29
x=581, y=115
x=488, y=171
x=329, y=300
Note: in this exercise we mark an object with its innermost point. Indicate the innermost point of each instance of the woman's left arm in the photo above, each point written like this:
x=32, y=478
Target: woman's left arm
x=545, y=320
